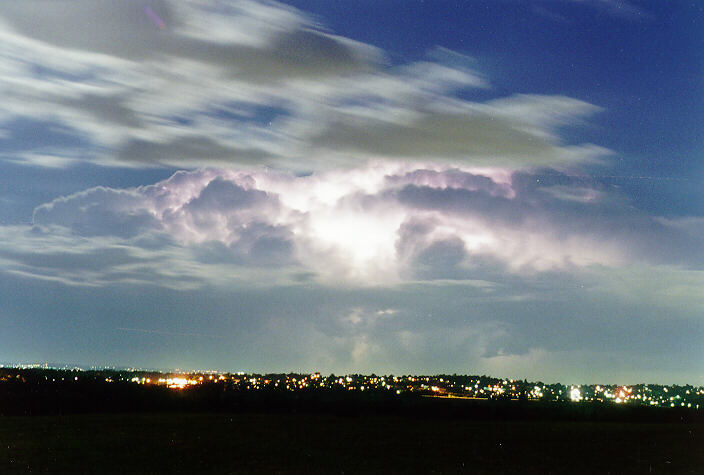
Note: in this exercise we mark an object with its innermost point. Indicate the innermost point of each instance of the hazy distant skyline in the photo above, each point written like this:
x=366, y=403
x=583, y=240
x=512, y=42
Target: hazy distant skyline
x=480, y=187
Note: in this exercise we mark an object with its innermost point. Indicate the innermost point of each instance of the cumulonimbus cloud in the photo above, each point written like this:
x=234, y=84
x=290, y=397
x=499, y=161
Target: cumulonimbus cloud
x=385, y=224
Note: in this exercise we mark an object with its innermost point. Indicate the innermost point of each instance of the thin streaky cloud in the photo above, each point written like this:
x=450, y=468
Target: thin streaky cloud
x=161, y=332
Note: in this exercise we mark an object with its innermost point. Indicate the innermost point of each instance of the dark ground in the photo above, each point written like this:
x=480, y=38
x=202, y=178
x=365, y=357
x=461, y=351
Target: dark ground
x=328, y=443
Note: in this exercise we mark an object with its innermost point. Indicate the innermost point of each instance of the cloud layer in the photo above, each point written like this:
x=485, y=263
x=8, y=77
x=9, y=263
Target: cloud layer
x=251, y=84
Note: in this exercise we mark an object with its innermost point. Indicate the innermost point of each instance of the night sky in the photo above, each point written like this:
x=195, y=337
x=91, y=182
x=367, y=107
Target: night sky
x=482, y=187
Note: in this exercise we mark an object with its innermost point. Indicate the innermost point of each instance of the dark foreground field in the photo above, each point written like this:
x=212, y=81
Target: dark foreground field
x=188, y=443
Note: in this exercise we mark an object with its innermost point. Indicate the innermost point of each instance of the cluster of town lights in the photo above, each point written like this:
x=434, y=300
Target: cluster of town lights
x=447, y=386
x=482, y=387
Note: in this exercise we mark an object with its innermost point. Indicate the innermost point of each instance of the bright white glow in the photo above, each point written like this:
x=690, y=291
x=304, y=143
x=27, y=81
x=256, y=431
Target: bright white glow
x=575, y=394
x=365, y=242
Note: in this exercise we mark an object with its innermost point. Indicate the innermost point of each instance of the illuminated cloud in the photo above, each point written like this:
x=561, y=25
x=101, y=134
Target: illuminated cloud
x=385, y=224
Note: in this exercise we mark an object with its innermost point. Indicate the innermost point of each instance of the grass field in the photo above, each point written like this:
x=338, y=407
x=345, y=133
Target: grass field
x=188, y=443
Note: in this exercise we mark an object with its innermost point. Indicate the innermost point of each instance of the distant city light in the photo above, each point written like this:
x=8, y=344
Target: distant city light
x=575, y=395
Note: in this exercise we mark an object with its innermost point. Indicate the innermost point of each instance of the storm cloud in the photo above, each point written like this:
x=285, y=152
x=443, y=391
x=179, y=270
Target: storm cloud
x=389, y=227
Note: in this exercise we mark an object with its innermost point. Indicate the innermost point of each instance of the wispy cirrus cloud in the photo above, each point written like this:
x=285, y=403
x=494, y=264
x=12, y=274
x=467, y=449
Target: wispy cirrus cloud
x=618, y=8
x=622, y=9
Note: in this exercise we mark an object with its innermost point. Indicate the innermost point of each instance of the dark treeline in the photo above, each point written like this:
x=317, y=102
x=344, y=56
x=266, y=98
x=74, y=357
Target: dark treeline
x=56, y=392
